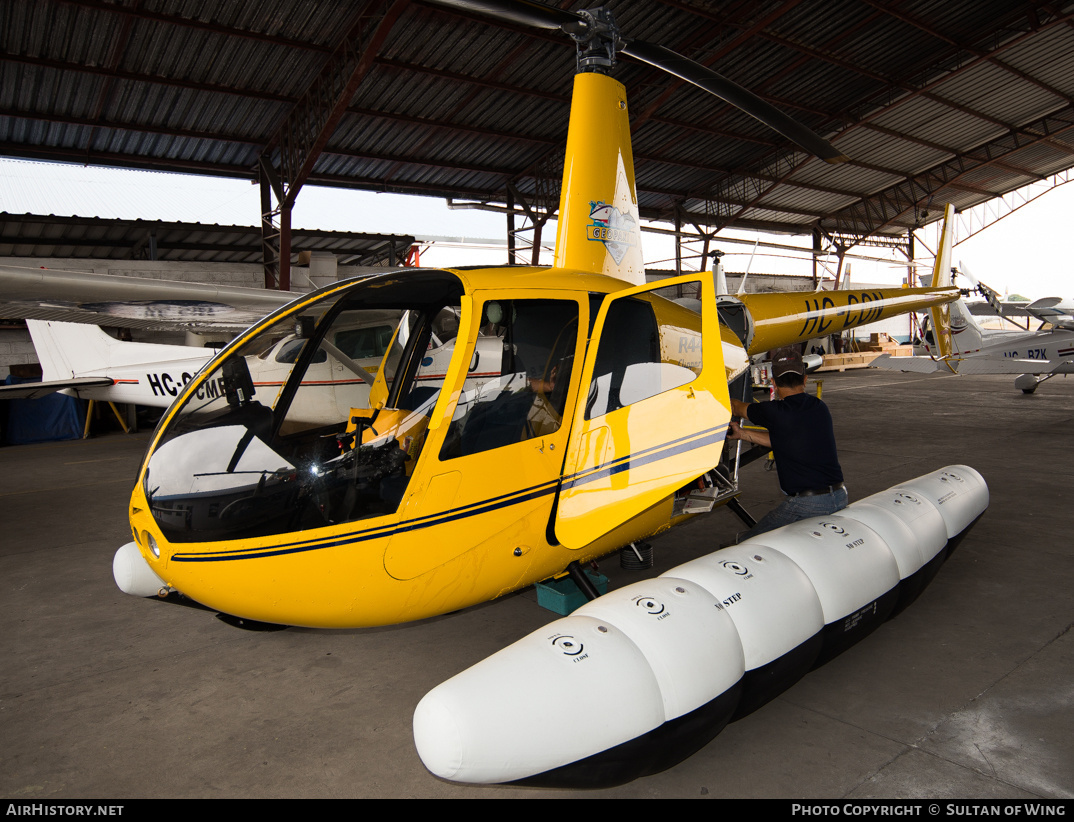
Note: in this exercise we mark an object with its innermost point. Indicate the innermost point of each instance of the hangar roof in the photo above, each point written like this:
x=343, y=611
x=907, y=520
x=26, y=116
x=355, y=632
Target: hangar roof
x=32, y=235
x=934, y=100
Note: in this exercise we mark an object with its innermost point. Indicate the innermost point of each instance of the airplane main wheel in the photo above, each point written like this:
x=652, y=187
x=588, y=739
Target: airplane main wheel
x=1027, y=383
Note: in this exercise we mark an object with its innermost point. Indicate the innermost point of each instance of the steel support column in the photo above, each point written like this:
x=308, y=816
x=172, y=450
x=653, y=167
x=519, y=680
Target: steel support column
x=275, y=231
x=510, y=228
x=289, y=158
x=818, y=247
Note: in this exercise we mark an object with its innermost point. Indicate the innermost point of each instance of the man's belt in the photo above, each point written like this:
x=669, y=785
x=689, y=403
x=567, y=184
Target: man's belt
x=820, y=492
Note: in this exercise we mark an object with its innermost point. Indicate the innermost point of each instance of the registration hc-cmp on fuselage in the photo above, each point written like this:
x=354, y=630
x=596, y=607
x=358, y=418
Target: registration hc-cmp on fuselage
x=418, y=496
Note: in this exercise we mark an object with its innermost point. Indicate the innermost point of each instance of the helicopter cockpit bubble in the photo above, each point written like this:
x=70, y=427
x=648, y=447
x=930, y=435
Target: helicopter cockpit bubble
x=274, y=416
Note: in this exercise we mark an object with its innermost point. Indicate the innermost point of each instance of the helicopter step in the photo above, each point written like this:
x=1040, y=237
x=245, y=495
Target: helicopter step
x=701, y=645
x=700, y=501
x=705, y=493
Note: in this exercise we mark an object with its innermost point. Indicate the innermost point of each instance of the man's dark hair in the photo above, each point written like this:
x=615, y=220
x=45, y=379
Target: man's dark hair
x=790, y=380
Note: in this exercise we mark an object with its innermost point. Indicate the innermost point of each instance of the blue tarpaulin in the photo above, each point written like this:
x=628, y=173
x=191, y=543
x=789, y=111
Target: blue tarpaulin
x=55, y=417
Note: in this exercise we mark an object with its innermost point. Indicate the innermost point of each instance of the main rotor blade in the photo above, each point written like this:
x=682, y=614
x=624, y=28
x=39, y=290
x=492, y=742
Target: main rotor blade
x=531, y=13
x=729, y=91
x=520, y=12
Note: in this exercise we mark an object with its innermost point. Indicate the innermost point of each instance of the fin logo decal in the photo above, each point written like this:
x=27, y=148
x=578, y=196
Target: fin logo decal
x=618, y=231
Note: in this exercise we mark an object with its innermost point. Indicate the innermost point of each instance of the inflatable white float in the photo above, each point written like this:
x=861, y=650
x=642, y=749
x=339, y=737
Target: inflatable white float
x=687, y=652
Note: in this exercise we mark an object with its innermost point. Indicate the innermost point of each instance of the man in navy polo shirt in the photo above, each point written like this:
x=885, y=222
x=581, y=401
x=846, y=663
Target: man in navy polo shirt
x=799, y=433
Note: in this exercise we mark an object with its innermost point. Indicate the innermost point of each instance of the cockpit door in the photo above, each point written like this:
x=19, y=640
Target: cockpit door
x=653, y=408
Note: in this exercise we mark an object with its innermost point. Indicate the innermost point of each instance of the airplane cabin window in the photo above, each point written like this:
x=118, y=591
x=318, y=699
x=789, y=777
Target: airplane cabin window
x=289, y=351
x=365, y=342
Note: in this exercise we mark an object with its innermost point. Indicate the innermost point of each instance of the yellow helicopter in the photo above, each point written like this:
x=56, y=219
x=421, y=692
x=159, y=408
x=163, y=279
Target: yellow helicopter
x=602, y=423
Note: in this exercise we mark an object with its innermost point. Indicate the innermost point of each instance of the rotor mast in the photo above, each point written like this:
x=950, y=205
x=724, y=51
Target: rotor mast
x=599, y=227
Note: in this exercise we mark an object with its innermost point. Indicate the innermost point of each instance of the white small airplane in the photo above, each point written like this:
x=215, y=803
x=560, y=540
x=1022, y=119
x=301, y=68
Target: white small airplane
x=82, y=360
x=1036, y=356
x=961, y=346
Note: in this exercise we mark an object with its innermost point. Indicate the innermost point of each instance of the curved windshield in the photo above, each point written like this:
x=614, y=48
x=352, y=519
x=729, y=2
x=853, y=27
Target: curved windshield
x=316, y=419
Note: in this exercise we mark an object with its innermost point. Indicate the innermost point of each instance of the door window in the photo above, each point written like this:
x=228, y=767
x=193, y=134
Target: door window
x=640, y=356
x=527, y=399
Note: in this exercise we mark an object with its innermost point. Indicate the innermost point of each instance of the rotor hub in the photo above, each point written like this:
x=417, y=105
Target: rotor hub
x=596, y=38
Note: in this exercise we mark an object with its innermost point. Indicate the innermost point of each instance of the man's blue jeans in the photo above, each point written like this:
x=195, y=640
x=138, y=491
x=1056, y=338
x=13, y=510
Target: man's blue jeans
x=793, y=509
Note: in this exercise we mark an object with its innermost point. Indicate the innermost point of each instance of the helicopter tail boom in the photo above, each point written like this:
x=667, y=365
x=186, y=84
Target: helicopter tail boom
x=784, y=318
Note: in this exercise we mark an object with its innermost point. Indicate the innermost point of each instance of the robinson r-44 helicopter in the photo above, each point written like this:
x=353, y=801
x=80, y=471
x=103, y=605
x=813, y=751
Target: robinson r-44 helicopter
x=430, y=496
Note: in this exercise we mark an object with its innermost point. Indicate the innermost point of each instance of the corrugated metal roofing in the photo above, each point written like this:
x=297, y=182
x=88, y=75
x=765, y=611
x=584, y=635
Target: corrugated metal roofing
x=933, y=100
x=34, y=235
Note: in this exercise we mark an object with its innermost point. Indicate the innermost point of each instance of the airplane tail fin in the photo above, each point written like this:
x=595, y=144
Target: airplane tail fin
x=965, y=334
x=67, y=350
x=71, y=350
x=942, y=276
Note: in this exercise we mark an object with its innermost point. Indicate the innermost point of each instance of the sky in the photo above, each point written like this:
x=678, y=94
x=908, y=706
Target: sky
x=1027, y=252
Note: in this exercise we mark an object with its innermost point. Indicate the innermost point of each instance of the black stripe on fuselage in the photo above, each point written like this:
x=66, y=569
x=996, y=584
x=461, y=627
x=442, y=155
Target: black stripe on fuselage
x=660, y=452
x=647, y=456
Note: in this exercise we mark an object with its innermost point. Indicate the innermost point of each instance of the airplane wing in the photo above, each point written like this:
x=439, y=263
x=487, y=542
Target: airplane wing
x=132, y=302
x=1054, y=310
x=918, y=365
x=973, y=365
x=34, y=390
x=1005, y=365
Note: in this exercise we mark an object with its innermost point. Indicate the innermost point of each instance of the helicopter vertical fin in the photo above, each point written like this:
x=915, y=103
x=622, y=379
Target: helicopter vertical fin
x=599, y=228
x=940, y=316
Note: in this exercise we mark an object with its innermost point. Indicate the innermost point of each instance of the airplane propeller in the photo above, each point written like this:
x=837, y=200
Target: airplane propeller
x=599, y=39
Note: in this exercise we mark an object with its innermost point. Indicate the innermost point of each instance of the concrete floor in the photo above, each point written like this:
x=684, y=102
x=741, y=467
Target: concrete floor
x=968, y=693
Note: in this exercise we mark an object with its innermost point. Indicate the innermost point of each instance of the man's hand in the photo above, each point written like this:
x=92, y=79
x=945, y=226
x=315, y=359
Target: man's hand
x=754, y=436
